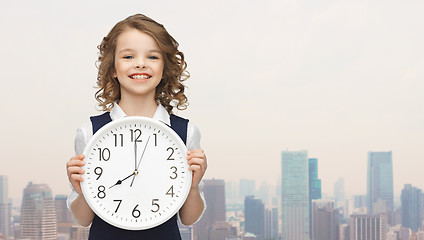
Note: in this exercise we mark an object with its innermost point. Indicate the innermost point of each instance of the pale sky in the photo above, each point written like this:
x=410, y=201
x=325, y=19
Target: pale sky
x=336, y=78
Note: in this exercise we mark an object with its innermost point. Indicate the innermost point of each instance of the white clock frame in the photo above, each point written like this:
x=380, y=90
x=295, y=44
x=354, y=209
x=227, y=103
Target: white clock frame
x=147, y=195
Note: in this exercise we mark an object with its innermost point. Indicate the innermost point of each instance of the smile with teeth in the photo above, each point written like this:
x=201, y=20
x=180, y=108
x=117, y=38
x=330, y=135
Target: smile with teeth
x=140, y=76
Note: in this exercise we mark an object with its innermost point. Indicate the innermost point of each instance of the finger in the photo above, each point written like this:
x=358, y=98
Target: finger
x=199, y=161
x=79, y=156
x=196, y=155
x=198, y=167
x=76, y=170
x=72, y=163
x=195, y=151
x=195, y=168
x=77, y=177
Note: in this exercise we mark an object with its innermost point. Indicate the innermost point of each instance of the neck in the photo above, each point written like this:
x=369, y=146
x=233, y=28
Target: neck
x=145, y=107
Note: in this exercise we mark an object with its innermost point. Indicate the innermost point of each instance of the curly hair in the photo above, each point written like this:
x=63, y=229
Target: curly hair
x=169, y=92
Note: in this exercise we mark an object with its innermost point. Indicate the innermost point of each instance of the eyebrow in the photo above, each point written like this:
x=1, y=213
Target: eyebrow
x=132, y=50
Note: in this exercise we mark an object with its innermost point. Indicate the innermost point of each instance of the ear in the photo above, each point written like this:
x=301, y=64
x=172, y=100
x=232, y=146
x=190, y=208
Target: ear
x=114, y=75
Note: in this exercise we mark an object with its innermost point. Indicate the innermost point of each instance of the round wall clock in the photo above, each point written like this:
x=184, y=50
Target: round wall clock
x=137, y=173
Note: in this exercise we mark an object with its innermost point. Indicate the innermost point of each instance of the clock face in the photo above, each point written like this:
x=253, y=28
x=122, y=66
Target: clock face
x=137, y=173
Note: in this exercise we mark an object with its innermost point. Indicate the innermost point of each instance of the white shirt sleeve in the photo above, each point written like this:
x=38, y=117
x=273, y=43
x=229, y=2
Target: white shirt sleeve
x=81, y=140
x=193, y=142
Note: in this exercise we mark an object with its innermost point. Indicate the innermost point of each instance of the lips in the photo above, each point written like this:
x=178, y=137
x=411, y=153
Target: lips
x=140, y=76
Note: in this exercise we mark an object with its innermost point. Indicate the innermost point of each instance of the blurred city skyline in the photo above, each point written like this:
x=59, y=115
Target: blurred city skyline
x=338, y=79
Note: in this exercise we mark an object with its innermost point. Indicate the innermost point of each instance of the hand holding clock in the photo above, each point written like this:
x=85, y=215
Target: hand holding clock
x=193, y=205
x=74, y=170
x=198, y=164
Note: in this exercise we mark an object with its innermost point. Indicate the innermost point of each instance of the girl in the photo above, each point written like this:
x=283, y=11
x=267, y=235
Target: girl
x=140, y=74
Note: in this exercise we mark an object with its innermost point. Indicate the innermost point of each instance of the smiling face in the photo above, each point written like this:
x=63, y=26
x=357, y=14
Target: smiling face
x=138, y=64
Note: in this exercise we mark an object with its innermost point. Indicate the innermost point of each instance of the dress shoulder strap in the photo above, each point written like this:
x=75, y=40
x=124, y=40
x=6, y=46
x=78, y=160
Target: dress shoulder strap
x=100, y=120
x=179, y=125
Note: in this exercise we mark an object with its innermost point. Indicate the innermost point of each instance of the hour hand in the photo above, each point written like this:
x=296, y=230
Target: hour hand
x=120, y=181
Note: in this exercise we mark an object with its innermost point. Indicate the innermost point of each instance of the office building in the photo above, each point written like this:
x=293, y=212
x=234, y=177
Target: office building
x=274, y=223
x=254, y=216
x=271, y=223
x=5, y=222
x=360, y=201
x=186, y=232
x=222, y=230
x=63, y=214
x=246, y=188
x=420, y=235
x=64, y=217
x=314, y=186
x=325, y=220
x=412, y=207
x=38, y=214
x=366, y=227
x=295, y=195
x=79, y=233
x=263, y=193
x=314, y=181
x=339, y=193
x=344, y=233
x=379, y=182
x=231, y=192
x=214, y=192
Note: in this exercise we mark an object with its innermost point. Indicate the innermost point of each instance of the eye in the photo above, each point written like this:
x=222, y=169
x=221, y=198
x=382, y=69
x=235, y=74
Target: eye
x=128, y=57
x=153, y=57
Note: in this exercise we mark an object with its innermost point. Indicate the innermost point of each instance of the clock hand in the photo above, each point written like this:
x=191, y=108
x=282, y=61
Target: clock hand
x=135, y=155
x=139, y=161
x=120, y=181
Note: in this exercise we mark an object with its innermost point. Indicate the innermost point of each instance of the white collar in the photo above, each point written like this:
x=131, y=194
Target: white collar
x=160, y=114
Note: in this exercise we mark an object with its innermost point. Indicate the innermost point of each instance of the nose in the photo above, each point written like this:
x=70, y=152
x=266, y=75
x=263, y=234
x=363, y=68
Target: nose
x=140, y=63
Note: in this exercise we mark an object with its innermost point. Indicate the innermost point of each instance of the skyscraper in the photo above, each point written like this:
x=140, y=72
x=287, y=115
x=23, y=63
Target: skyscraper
x=339, y=193
x=222, y=231
x=214, y=191
x=314, y=187
x=274, y=223
x=38, y=214
x=63, y=215
x=271, y=223
x=379, y=182
x=360, y=201
x=4, y=208
x=314, y=181
x=247, y=188
x=365, y=227
x=79, y=233
x=295, y=195
x=325, y=220
x=186, y=232
x=412, y=207
x=254, y=216
x=231, y=191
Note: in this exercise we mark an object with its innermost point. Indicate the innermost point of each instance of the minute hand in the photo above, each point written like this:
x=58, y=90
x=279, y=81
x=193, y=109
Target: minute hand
x=135, y=155
x=139, y=161
x=142, y=154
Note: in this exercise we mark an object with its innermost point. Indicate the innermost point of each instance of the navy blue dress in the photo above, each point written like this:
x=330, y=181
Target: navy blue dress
x=101, y=230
